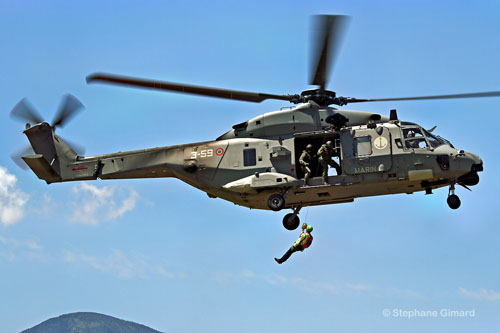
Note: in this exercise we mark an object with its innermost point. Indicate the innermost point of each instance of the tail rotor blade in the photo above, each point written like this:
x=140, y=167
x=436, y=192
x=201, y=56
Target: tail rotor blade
x=70, y=106
x=79, y=149
x=25, y=112
x=16, y=157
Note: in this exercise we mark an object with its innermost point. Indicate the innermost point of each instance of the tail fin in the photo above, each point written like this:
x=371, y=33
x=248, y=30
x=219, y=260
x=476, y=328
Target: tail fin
x=54, y=159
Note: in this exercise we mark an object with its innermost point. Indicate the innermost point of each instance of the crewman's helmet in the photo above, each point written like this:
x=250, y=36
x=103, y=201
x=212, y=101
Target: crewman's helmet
x=329, y=144
x=411, y=134
x=304, y=225
x=309, y=148
x=309, y=228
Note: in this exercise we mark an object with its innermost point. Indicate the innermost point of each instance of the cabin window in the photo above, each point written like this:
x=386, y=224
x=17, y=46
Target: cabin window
x=362, y=146
x=249, y=157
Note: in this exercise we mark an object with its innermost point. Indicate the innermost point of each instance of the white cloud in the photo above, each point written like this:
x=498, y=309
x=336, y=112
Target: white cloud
x=402, y=293
x=45, y=206
x=96, y=204
x=12, y=199
x=329, y=287
x=295, y=282
x=12, y=249
x=28, y=244
x=275, y=279
x=313, y=286
x=481, y=294
x=118, y=264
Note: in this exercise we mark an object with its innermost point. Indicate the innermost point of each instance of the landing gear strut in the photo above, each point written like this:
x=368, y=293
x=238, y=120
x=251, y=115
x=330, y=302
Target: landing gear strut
x=453, y=199
x=291, y=220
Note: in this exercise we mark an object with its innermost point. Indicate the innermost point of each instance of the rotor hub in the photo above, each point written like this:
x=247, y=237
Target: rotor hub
x=322, y=97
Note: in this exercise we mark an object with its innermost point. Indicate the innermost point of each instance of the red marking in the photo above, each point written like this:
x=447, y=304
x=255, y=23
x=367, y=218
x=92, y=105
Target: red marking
x=292, y=169
x=219, y=152
x=78, y=169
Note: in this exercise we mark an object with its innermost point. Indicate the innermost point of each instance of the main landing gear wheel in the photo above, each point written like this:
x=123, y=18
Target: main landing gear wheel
x=291, y=221
x=276, y=202
x=453, y=201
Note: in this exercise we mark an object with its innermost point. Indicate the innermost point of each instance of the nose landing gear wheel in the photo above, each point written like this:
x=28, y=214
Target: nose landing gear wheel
x=453, y=201
x=276, y=202
x=291, y=221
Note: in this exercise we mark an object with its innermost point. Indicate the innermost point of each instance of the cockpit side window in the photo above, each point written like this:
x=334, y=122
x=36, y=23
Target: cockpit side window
x=414, y=139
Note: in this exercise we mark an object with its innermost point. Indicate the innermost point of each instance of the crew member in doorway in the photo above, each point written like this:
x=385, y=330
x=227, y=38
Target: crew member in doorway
x=302, y=243
x=325, y=154
x=305, y=161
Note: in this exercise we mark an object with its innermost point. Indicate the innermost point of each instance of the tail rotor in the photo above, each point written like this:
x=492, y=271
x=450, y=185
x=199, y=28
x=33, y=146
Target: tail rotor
x=69, y=107
x=24, y=111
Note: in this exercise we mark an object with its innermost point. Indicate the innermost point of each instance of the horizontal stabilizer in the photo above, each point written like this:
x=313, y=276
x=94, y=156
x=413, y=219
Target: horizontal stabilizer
x=42, y=168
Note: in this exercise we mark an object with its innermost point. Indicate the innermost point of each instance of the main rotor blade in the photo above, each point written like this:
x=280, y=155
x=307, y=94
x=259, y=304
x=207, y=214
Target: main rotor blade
x=68, y=108
x=25, y=112
x=451, y=96
x=184, y=88
x=327, y=34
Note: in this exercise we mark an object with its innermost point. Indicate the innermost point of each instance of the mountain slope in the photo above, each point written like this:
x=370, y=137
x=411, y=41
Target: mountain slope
x=88, y=322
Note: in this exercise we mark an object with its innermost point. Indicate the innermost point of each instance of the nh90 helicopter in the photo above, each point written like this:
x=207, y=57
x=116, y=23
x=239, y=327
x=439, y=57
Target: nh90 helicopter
x=255, y=164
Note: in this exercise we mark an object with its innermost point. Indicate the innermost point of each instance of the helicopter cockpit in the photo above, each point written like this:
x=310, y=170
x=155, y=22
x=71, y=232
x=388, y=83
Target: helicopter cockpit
x=416, y=137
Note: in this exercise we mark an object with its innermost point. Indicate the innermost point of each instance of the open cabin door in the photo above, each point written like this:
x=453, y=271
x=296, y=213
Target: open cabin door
x=366, y=150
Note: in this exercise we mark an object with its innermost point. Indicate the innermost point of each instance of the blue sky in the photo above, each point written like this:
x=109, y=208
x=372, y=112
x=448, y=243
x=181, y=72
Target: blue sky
x=165, y=255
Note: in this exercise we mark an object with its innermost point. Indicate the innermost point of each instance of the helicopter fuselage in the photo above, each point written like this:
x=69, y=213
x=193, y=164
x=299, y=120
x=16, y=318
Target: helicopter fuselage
x=259, y=158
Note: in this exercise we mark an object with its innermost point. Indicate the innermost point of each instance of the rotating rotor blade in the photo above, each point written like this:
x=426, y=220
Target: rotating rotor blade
x=77, y=148
x=25, y=112
x=68, y=108
x=186, y=89
x=451, y=96
x=16, y=157
x=327, y=34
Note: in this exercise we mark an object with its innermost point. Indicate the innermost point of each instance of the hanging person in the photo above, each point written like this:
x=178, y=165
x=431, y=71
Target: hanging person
x=302, y=243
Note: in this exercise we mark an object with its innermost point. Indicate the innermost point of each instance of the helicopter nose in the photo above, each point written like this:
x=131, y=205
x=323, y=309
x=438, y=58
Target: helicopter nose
x=471, y=164
x=477, y=162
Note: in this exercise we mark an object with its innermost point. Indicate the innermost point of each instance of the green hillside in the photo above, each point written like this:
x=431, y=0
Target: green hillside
x=88, y=322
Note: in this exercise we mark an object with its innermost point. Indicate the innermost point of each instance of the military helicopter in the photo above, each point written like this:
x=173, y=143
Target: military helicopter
x=256, y=163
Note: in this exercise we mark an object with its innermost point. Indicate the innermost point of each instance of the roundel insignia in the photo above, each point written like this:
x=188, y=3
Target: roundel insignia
x=380, y=142
x=219, y=152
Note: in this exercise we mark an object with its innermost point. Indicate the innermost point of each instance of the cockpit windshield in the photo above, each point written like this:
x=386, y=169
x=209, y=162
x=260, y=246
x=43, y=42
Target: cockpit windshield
x=416, y=137
x=436, y=140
